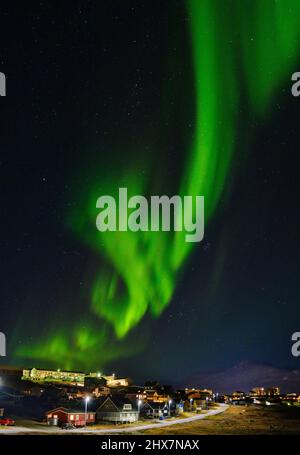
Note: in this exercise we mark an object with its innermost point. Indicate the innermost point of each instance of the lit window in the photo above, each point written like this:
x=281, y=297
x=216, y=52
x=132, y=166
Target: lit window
x=49, y=415
x=71, y=417
x=77, y=417
x=55, y=416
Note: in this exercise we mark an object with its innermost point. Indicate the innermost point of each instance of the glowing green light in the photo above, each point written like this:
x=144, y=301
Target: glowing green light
x=239, y=49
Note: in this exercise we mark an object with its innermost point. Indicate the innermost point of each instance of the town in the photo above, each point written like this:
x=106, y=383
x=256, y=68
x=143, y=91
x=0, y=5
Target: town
x=74, y=399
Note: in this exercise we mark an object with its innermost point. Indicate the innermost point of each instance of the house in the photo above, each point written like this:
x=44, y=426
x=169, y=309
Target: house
x=101, y=392
x=134, y=393
x=156, y=396
x=273, y=391
x=76, y=417
x=238, y=395
x=153, y=409
x=114, y=381
x=199, y=393
x=117, y=409
x=197, y=399
x=96, y=386
x=292, y=398
x=257, y=392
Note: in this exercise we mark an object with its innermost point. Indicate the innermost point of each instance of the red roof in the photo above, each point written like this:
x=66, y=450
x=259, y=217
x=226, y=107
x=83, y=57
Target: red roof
x=69, y=411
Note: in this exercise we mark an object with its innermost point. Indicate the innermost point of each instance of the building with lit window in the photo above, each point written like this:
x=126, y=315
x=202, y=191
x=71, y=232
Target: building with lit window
x=39, y=375
x=76, y=417
x=117, y=410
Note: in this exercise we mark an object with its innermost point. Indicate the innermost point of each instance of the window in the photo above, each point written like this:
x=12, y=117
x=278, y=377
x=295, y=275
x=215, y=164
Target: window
x=127, y=406
x=55, y=416
x=72, y=417
x=49, y=416
x=91, y=416
x=77, y=417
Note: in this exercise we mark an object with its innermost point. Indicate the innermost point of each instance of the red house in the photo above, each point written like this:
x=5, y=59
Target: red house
x=76, y=417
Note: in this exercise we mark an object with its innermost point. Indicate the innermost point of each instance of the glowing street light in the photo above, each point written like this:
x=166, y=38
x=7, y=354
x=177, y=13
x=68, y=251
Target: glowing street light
x=139, y=406
x=86, y=400
x=170, y=402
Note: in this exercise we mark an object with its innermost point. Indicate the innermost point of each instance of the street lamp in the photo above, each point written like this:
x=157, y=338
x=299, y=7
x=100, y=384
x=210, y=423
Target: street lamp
x=191, y=401
x=170, y=402
x=139, y=407
x=86, y=400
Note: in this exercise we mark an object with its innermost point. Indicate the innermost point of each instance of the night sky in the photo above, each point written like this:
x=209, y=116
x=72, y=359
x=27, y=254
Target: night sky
x=145, y=94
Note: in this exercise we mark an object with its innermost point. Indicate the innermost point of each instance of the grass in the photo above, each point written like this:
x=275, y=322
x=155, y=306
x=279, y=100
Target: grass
x=240, y=420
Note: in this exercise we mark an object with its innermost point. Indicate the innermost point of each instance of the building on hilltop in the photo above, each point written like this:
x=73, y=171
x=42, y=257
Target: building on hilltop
x=78, y=378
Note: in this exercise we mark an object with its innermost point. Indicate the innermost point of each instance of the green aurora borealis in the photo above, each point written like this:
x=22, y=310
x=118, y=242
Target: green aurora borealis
x=242, y=52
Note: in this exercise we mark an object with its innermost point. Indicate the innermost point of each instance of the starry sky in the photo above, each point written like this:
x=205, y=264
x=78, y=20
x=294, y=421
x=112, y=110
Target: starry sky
x=172, y=98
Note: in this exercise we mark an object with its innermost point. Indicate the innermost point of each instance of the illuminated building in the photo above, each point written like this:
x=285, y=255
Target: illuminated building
x=73, y=377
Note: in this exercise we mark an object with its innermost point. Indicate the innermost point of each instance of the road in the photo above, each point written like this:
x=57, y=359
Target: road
x=129, y=429
x=164, y=423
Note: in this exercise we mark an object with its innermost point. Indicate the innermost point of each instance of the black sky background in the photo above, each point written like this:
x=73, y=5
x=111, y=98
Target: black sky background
x=82, y=73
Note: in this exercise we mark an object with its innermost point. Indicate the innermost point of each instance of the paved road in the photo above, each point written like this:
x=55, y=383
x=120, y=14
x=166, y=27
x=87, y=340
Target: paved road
x=130, y=429
x=164, y=423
